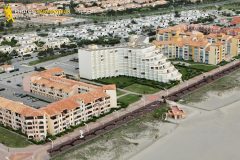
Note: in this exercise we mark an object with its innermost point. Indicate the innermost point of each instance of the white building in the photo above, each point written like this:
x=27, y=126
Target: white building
x=6, y=49
x=137, y=59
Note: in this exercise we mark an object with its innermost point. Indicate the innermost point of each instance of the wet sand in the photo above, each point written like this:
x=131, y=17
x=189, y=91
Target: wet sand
x=208, y=135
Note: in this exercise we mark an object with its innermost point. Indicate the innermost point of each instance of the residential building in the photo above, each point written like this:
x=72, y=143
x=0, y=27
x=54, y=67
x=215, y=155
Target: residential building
x=53, y=84
x=188, y=43
x=6, y=49
x=28, y=120
x=138, y=59
x=77, y=104
x=76, y=109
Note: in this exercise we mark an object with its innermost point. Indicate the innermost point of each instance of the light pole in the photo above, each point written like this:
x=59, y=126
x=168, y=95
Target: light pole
x=87, y=126
x=144, y=100
x=51, y=142
x=167, y=91
x=81, y=134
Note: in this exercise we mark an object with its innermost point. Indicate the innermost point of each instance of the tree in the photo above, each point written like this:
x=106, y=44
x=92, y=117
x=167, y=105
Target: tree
x=177, y=14
x=9, y=23
x=2, y=24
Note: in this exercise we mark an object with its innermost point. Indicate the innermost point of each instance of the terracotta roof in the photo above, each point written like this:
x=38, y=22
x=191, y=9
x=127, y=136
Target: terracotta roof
x=19, y=108
x=73, y=102
x=109, y=87
x=179, y=28
x=176, y=111
x=49, y=79
x=235, y=20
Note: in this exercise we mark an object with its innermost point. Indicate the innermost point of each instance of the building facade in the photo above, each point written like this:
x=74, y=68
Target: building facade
x=28, y=120
x=72, y=111
x=188, y=43
x=79, y=103
x=138, y=59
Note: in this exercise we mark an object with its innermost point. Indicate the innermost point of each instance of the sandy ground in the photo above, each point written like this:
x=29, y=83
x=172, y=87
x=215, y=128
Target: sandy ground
x=208, y=135
x=217, y=99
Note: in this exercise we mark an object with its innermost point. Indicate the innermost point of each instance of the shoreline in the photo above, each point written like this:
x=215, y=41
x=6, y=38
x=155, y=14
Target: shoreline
x=209, y=132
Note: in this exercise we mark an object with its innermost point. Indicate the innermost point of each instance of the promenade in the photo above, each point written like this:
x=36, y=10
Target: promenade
x=40, y=152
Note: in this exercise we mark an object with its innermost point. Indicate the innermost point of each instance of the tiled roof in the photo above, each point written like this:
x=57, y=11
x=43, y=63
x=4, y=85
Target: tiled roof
x=49, y=79
x=73, y=102
x=19, y=108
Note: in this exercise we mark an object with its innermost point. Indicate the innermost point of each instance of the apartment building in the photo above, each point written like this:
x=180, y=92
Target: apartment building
x=53, y=84
x=28, y=120
x=184, y=42
x=138, y=59
x=76, y=109
x=78, y=102
x=57, y=116
x=235, y=46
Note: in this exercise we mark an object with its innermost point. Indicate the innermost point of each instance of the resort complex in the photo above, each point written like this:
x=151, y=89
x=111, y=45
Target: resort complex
x=138, y=58
x=119, y=79
x=203, y=44
x=78, y=102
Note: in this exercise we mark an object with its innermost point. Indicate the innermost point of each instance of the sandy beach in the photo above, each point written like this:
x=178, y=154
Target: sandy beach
x=211, y=133
x=208, y=135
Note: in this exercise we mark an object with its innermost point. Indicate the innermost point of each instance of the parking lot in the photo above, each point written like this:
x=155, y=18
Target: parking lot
x=11, y=84
x=67, y=63
x=11, y=87
x=15, y=78
x=20, y=96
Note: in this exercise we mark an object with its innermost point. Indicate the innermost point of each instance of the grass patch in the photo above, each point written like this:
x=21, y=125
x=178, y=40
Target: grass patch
x=126, y=100
x=119, y=93
x=125, y=81
x=158, y=113
x=203, y=67
x=12, y=139
x=187, y=73
x=120, y=81
x=142, y=89
x=193, y=69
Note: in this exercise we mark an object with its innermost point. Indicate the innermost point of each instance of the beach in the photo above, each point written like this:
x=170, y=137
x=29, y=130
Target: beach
x=208, y=135
x=211, y=133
